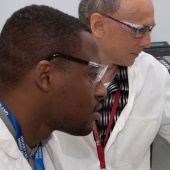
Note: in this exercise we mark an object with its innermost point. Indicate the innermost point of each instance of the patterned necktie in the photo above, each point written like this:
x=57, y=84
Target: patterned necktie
x=119, y=82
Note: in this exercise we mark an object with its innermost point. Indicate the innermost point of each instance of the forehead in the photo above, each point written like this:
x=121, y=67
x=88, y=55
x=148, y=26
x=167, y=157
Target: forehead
x=136, y=11
x=89, y=50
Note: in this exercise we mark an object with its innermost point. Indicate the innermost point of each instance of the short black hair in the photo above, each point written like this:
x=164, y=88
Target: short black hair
x=32, y=34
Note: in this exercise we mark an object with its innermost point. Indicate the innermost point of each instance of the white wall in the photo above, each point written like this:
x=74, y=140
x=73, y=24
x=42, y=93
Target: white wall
x=7, y=7
x=162, y=13
x=161, y=32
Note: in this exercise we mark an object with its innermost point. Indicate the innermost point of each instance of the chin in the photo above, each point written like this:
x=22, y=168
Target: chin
x=80, y=131
x=130, y=63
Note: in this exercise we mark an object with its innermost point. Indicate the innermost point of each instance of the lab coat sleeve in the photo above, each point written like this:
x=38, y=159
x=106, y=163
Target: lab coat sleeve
x=165, y=126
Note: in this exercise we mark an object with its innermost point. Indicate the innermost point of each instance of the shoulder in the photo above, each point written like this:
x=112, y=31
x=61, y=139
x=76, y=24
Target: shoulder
x=147, y=64
x=147, y=71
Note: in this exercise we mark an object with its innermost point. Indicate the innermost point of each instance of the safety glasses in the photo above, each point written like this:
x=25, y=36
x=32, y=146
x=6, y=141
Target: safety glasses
x=95, y=76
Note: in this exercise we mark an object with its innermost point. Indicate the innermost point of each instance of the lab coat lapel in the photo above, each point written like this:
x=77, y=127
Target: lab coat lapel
x=8, y=143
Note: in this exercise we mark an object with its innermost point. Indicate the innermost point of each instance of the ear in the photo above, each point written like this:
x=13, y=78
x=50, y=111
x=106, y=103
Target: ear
x=97, y=25
x=43, y=75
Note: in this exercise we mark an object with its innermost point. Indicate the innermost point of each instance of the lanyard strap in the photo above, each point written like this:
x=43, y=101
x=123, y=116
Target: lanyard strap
x=100, y=149
x=20, y=140
x=113, y=111
x=39, y=158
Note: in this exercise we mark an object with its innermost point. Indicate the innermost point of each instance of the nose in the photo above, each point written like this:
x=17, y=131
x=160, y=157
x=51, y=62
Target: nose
x=145, y=42
x=100, y=91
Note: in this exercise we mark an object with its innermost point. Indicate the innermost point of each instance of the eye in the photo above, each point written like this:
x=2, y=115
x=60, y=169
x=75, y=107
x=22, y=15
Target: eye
x=92, y=76
x=129, y=28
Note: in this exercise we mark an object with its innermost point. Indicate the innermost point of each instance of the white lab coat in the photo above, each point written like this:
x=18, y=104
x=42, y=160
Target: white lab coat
x=146, y=114
x=10, y=156
x=12, y=159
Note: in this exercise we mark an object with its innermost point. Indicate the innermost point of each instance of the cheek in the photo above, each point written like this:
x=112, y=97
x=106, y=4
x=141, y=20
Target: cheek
x=116, y=43
x=77, y=97
x=83, y=96
x=79, y=109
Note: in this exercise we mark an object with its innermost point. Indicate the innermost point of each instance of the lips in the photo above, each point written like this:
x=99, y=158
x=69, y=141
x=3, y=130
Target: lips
x=99, y=106
x=135, y=54
x=96, y=114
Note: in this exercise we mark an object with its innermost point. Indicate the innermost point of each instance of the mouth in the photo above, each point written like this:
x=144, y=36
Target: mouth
x=99, y=106
x=96, y=111
x=96, y=115
x=135, y=54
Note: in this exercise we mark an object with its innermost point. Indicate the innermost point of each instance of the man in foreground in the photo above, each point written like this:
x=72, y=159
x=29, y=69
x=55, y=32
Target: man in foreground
x=46, y=59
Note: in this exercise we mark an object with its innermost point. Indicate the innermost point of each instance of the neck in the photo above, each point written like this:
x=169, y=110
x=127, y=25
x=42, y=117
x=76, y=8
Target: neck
x=31, y=120
x=33, y=136
x=110, y=74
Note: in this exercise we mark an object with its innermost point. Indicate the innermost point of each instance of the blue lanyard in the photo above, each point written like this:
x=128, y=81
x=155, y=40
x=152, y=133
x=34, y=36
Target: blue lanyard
x=39, y=158
x=20, y=140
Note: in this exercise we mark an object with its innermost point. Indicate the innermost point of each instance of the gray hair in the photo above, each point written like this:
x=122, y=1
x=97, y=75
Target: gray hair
x=108, y=7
